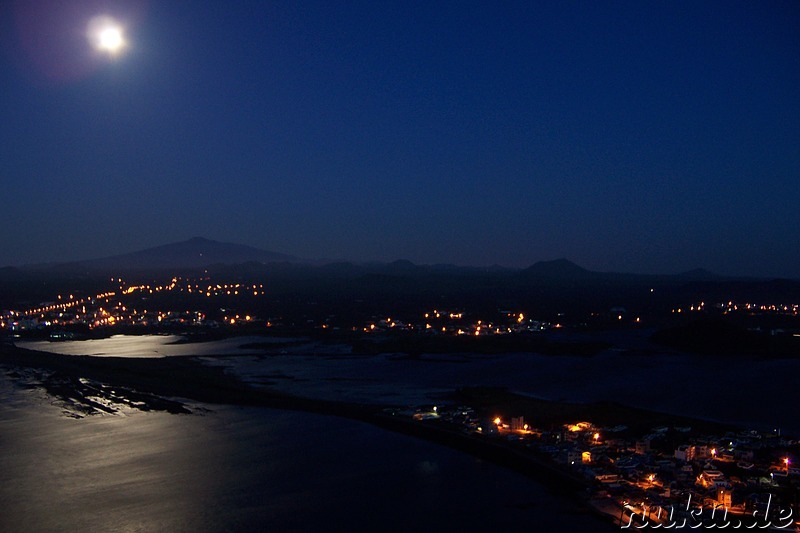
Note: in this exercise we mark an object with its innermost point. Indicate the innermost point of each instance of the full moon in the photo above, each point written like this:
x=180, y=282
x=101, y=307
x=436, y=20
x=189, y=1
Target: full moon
x=106, y=35
x=111, y=39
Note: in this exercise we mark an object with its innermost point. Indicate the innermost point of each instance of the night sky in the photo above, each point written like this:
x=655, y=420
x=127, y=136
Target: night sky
x=638, y=136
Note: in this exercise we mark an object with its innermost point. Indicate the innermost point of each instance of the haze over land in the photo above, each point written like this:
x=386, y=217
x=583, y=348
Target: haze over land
x=198, y=282
x=199, y=252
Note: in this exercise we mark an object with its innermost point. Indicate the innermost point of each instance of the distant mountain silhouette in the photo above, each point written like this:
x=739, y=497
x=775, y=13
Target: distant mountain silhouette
x=239, y=259
x=558, y=269
x=11, y=273
x=197, y=252
x=403, y=266
x=563, y=271
x=699, y=274
x=372, y=288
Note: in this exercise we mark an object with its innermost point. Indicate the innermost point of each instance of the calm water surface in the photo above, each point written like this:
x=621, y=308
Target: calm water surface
x=238, y=469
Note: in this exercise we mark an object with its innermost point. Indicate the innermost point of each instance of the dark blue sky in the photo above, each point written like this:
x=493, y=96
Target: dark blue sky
x=626, y=136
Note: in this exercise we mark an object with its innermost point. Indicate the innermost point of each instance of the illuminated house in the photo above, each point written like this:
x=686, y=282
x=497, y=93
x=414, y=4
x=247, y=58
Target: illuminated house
x=712, y=478
x=724, y=497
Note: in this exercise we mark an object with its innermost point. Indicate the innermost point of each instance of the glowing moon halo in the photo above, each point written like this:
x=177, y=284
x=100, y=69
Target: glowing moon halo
x=106, y=35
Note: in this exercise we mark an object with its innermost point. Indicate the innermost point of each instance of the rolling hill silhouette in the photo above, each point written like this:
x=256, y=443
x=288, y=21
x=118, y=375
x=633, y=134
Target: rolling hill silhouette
x=197, y=252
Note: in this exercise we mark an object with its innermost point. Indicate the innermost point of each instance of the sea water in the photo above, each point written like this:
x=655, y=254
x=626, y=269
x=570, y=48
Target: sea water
x=247, y=469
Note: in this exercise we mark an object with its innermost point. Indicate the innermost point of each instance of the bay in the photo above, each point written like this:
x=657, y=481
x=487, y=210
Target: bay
x=236, y=469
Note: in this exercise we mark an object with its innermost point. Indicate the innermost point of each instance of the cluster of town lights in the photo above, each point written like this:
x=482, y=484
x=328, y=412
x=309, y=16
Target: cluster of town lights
x=187, y=286
x=749, y=307
x=452, y=322
x=106, y=309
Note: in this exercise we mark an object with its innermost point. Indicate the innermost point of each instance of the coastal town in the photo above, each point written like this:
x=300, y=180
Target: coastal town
x=196, y=304
x=662, y=476
x=154, y=305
